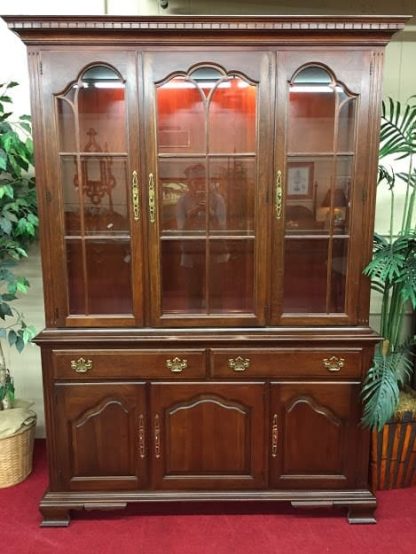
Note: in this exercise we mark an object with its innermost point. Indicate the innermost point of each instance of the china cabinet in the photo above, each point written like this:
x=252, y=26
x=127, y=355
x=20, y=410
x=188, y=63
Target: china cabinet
x=206, y=190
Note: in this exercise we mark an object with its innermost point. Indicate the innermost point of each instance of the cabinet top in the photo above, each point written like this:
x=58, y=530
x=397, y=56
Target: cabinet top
x=304, y=28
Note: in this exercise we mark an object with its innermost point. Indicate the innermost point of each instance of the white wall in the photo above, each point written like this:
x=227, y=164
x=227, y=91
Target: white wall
x=400, y=82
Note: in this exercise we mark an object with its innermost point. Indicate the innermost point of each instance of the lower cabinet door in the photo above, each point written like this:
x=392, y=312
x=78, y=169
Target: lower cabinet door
x=316, y=441
x=100, y=435
x=208, y=436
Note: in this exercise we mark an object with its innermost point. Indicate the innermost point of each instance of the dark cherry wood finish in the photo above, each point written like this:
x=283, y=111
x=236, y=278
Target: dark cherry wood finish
x=206, y=189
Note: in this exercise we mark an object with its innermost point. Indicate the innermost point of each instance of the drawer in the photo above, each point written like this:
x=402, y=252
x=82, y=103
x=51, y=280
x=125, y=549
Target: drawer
x=285, y=362
x=126, y=364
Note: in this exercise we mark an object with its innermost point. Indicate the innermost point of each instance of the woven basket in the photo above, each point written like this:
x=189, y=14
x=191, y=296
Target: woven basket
x=16, y=454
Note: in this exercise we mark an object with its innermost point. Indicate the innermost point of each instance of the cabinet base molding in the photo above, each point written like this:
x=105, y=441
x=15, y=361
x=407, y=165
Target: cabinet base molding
x=55, y=507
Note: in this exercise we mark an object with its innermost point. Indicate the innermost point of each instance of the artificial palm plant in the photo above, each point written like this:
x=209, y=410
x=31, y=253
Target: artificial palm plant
x=18, y=224
x=393, y=267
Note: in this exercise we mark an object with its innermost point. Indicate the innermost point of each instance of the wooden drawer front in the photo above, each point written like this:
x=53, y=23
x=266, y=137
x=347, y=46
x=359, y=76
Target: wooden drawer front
x=285, y=362
x=126, y=364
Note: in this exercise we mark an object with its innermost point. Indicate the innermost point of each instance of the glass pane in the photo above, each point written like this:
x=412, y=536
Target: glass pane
x=109, y=277
x=104, y=181
x=232, y=186
x=183, y=276
x=304, y=287
x=101, y=112
x=231, y=276
x=346, y=123
x=66, y=124
x=69, y=178
x=76, y=292
x=311, y=112
x=232, y=117
x=338, y=275
x=318, y=190
x=180, y=117
x=184, y=195
x=342, y=196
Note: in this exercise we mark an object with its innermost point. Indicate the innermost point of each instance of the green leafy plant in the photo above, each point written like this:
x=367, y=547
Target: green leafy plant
x=393, y=268
x=18, y=226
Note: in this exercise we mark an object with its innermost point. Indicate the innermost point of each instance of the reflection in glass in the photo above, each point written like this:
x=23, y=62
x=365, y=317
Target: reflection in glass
x=94, y=182
x=207, y=199
x=104, y=195
x=232, y=117
x=346, y=123
x=305, y=275
x=184, y=195
x=109, y=270
x=311, y=118
x=233, y=181
x=76, y=288
x=231, y=276
x=183, y=276
x=338, y=275
x=101, y=111
x=180, y=117
x=66, y=124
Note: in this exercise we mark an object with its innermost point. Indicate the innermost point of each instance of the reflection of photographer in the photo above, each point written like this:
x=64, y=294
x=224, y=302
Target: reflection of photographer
x=191, y=207
x=191, y=215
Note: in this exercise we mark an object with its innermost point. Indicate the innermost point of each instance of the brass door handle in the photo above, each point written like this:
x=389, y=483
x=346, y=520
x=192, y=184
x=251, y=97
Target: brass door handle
x=278, y=200
x=135, y=196
x=176, y=365
x=157, y=436
x=333, y=363
x=81, y=365
x=239, y=363
x=275, y=436
x=152, y=198
x=142, y=450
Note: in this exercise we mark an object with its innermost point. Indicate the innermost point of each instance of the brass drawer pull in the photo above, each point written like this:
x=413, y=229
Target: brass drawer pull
x=176, y=365
x=81, y=365
x=275, y=436
x=239, y=363
x=135, y=196
x=152, y=198
x=333, y=363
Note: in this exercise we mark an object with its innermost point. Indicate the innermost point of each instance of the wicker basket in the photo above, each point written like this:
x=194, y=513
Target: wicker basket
x=16, y=454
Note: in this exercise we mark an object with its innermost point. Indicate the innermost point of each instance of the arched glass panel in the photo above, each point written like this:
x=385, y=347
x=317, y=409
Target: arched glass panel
x=207, y=166
x=93, y=157
x=320, y=156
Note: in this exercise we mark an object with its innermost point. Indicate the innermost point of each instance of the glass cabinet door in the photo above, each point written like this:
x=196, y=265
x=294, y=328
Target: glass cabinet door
x=99, y=194
x=205, y=194
x=314, y=195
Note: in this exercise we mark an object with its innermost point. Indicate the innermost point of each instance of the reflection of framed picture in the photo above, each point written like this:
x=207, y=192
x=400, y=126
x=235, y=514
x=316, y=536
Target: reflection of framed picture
x=299, y=180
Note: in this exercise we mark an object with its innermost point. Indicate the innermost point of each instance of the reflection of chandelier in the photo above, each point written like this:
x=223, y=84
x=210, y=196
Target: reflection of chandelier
x=97, y=178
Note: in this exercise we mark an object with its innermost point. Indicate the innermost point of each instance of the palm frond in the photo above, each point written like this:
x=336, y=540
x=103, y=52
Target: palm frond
x=380, y=391
x=407, y=279
x=386, y=174
x=406, y=178
x=388, y=259
x=398, y=129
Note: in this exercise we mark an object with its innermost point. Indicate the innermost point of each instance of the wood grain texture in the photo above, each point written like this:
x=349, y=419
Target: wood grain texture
x=281, y=427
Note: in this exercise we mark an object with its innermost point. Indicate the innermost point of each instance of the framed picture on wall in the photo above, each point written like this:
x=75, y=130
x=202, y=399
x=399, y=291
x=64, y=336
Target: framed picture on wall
x=299, y=180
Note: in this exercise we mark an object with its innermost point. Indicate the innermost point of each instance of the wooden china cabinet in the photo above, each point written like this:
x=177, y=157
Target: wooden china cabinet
x=206, y=191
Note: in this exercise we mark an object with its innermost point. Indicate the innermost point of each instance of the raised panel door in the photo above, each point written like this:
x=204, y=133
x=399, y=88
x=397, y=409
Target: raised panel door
x=208, y=436
x=101, y=435
x=315, y=435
